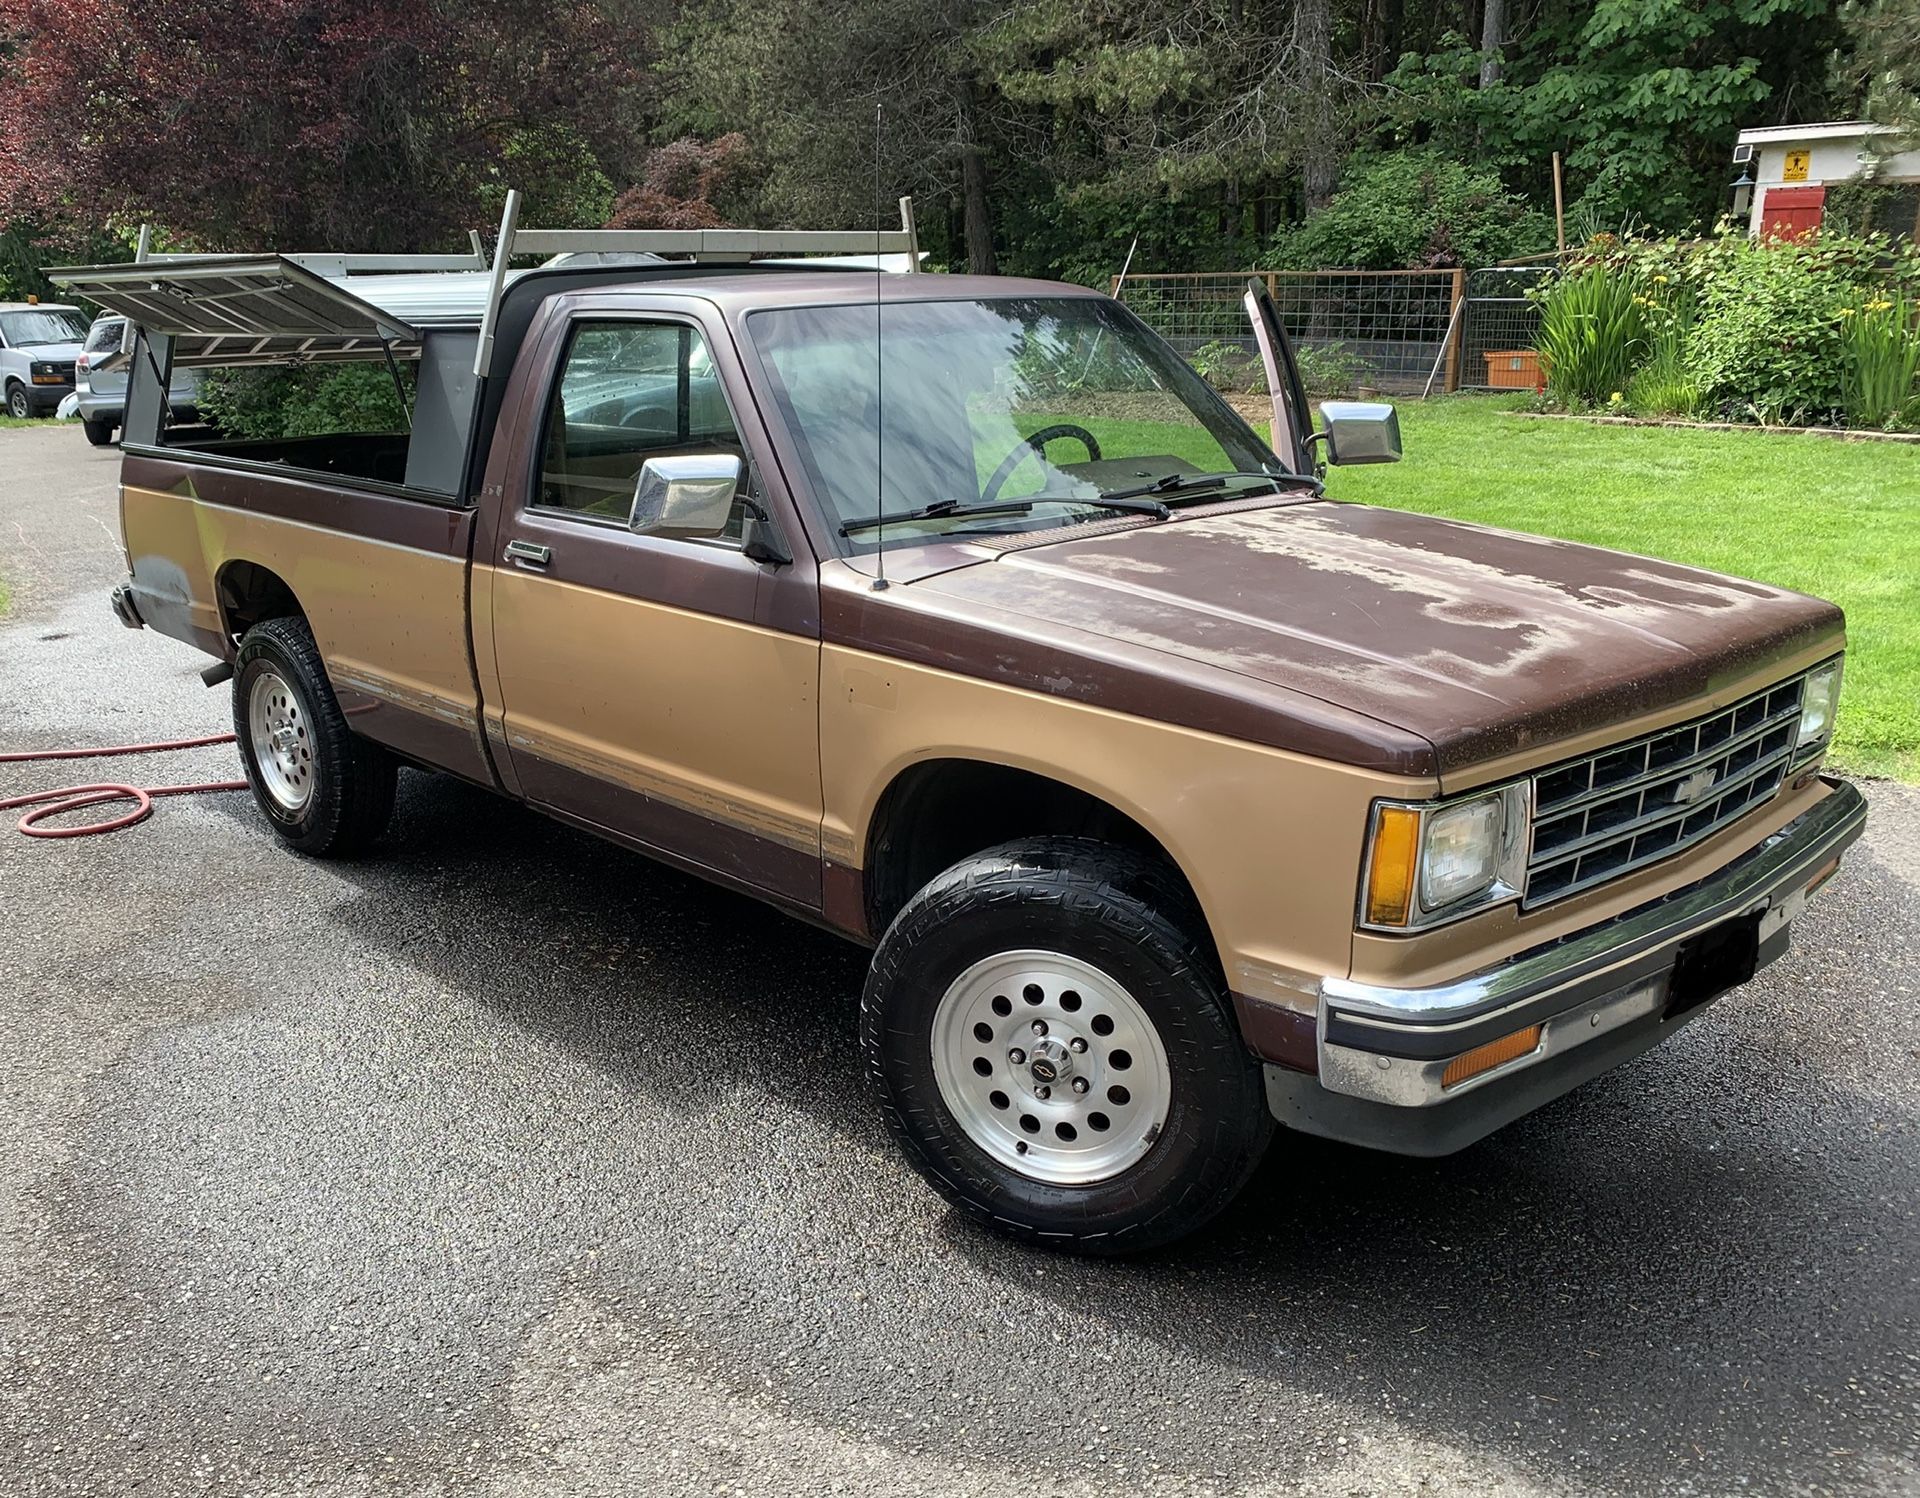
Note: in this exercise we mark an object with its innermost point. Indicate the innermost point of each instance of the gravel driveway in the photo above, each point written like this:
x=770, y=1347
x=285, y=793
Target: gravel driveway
x=509, y=1163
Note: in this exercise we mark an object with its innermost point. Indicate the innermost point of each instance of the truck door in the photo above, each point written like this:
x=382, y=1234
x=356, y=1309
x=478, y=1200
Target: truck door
x=1292, y=416
x=661, y=689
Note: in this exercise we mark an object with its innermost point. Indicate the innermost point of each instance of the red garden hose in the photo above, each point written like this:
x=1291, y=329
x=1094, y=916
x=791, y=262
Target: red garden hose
x=72, y=797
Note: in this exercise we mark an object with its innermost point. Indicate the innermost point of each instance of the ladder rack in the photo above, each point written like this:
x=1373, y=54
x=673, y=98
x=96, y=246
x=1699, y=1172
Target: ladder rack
x=705, y=246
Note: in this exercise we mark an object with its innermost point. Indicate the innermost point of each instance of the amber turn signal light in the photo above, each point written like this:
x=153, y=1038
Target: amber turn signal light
x=1396, y=848
x=1484, y=1058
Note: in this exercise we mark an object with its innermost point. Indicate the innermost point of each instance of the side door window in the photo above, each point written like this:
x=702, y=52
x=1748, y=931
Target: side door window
x=105, y=338
x=629, y=391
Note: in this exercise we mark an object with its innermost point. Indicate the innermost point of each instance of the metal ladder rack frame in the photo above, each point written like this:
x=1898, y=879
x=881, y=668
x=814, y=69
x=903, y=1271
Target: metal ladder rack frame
x=705, y=246
x=321, y=272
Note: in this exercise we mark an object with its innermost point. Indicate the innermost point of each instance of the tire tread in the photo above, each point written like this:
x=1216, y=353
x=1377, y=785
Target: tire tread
x=354, y=790
x=1137, y=899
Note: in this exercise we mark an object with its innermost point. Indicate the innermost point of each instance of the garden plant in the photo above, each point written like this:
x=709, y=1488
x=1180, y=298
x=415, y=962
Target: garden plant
x=1822, y=331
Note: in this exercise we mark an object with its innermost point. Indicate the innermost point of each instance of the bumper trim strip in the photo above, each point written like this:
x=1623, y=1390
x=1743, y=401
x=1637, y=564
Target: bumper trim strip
x=1363, y=1022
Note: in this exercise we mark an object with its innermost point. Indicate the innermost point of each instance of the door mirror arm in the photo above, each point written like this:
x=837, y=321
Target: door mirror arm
x=760, y=538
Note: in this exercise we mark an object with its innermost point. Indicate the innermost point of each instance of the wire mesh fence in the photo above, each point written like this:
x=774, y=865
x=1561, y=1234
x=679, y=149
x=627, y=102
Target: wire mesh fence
x=1398, y=332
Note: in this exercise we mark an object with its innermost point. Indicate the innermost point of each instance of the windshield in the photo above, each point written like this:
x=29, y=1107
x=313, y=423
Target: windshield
x=42, y=325
x=1050, y=400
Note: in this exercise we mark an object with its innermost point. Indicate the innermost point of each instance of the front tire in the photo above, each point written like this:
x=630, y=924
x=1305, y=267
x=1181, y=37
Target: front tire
x=323, y=789
x=99, y=432
x=1054, y=1049
x=19, y=404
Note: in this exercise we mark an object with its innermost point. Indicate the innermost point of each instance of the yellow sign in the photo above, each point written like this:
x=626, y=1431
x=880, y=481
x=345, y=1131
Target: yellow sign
x=1798, y=163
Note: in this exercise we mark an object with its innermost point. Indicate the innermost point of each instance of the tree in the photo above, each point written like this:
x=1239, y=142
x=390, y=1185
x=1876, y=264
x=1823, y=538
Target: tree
x=1493, y=36
x=1644, y=97
x=803, y=78
x=1885, y=66
x=385, y=125
x=685, y=185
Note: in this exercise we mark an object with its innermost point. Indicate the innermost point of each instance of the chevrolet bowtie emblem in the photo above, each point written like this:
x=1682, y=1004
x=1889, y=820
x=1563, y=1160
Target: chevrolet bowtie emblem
x=1693, y=787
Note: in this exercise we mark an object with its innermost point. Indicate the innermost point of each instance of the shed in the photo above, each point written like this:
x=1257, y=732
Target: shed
x=1792, y=167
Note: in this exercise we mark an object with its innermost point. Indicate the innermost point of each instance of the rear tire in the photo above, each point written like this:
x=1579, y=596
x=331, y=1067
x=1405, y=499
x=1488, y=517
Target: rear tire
x=1018, y=975
x=323, y=789
x=99, y=433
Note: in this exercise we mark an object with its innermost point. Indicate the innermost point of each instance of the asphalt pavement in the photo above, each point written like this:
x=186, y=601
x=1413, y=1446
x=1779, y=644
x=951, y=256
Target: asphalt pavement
x=509, y=1163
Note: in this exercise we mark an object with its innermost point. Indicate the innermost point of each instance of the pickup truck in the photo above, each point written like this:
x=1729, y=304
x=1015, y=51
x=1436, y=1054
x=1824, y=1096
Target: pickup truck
x=1176, y=800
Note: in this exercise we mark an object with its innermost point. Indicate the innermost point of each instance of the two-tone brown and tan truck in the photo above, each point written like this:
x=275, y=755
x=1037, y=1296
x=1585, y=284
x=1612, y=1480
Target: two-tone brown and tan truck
x=960, y=616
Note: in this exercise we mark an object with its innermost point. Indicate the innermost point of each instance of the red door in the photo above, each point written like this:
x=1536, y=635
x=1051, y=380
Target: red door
x=1791, y=212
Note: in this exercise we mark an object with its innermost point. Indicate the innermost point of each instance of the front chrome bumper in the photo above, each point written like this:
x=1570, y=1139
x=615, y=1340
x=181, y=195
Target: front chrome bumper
x=1599, y=996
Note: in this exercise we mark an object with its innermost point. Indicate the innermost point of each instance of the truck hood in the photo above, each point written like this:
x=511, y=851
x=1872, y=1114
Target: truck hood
x=58, y=352
x=1480, y=641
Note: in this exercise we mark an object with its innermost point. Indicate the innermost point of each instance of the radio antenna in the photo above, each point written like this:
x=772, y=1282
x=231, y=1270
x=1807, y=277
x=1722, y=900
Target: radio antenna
x=879, y=375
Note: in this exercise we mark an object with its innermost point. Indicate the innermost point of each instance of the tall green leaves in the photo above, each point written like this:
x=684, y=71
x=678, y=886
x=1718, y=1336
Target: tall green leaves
x=1593, y=336
x=1881, y=349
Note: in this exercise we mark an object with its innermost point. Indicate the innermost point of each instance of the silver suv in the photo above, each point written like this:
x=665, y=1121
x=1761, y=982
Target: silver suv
x=39, y=342
x=103, y=393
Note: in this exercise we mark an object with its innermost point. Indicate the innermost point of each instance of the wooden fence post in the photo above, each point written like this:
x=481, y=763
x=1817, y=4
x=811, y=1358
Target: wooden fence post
x=1455, y=315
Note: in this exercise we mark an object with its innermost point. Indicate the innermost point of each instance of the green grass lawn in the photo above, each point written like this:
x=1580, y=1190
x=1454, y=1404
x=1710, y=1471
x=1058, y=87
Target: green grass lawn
x=1840, y=519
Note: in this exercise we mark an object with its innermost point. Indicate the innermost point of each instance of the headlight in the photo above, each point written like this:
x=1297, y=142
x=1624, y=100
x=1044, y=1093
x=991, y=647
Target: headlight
x=1429, y=862
x=1818, y=704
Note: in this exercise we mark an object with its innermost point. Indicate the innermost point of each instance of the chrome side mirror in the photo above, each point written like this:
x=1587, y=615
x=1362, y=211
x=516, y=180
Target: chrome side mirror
x=1360, y=432
x=690, y=495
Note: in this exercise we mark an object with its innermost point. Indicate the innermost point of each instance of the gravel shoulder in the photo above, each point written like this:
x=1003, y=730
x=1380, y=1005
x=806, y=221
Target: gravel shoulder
x=507, y=1162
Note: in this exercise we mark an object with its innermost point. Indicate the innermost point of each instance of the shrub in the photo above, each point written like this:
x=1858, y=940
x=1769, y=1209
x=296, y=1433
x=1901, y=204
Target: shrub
x=1409, y=210
x=1880, y=352
x=1330, y=368
x=1229, y=366
x=1593, y=335
x=1664, y=386
x=1765, y=347
x=1325, y=368
x=1730, y=327
x=305, y=402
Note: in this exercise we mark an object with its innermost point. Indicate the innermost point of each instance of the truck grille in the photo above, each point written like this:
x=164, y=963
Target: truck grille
x=1599, y=817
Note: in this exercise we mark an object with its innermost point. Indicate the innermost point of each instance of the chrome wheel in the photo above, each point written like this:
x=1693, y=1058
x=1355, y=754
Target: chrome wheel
x=1051, y=1067
x=282, y=744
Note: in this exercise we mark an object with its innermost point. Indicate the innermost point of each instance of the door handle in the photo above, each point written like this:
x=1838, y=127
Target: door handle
x=529, y=553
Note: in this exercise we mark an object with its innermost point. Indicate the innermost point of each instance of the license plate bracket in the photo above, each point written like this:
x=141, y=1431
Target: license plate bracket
x=1720, y=958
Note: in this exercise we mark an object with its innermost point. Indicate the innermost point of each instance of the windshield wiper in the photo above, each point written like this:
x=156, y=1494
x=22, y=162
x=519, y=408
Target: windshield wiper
x=1203, y=483
x=1143, y=499
x=958, y=509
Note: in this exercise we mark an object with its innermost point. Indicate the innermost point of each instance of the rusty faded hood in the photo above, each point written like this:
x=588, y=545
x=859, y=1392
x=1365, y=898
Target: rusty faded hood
x=1481, y=641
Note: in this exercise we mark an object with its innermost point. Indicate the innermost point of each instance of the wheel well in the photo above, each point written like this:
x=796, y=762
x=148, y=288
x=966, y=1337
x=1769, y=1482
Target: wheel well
x=937, y=813
x=250, y=593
